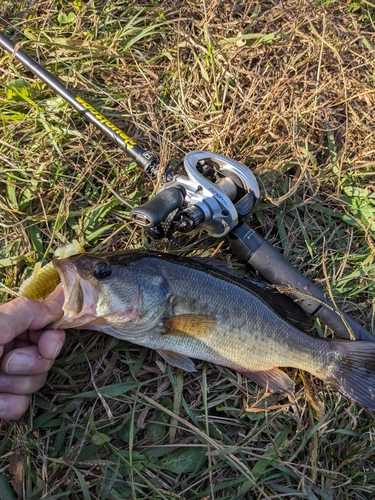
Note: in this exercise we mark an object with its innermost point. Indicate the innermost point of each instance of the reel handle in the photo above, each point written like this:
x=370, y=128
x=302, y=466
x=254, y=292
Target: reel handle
x=263, y=257
x=155, y=210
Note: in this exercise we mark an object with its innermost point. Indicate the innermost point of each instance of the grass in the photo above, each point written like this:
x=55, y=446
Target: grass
x=287, y=88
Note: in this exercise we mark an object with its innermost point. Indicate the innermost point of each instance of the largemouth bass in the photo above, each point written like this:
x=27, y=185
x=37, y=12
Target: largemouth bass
x=184, y=308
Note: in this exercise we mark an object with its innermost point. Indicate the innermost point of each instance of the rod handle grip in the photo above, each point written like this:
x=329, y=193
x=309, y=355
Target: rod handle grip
x=264, y=258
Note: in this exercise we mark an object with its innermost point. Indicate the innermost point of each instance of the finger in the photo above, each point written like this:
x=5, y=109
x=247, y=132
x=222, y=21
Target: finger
x=21, y=384
x=57, y=295
x=24, y=336
x=13, y=406
x=49, y=342
x=20, y=341
x=23, y=313
x=32, y=337
x=6, y=348
x=16, y=344
x=25, y=361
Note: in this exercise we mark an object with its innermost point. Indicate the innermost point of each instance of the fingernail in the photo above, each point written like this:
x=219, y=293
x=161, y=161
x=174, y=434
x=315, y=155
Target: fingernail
x=54, y=308
x=58, y=349
x=18, y=363
x=3, y=405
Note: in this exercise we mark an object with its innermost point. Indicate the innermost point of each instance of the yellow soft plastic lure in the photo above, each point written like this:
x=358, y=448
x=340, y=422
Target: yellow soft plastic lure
x=45, y=278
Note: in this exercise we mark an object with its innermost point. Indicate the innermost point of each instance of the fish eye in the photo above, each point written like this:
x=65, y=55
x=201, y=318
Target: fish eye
x=102, y=270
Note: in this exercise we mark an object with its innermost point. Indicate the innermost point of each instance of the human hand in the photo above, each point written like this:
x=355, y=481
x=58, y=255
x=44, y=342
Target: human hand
x=26, y=351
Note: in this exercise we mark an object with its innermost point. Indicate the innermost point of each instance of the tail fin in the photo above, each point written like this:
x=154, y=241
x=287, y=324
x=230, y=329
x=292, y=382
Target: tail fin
x=353, y=373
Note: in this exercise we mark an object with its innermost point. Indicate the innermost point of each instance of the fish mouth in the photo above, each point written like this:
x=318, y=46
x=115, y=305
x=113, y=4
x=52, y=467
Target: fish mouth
x=80, y=297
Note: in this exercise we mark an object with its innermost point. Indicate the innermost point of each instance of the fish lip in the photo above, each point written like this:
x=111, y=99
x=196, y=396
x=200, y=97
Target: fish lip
x=80, y=299
x=68, y=276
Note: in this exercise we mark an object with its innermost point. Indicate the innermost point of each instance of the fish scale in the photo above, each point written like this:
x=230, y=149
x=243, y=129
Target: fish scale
x=243, y=326
x=187, y=308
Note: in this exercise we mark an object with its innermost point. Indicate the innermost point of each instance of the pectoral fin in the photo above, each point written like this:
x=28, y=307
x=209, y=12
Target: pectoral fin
x=275, y=379
x=177, y=360
x=189, y=325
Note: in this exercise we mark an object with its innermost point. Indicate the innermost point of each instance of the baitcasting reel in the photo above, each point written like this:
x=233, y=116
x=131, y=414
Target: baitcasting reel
x=215, y=194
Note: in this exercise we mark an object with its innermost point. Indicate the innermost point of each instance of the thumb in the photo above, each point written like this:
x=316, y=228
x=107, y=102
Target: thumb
x=23, y=313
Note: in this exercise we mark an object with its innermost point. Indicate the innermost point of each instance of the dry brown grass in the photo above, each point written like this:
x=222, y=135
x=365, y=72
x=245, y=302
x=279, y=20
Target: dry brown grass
x=288, y=89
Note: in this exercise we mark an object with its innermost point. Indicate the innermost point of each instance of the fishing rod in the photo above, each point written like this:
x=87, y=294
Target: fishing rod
x=215, y=195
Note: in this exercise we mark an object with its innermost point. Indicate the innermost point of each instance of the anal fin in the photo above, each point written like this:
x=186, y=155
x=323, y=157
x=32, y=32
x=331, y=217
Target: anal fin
x=274, y=378
x=177, y=360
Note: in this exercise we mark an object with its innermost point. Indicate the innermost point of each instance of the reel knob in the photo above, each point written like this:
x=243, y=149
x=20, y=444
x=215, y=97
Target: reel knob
x=154, y=211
